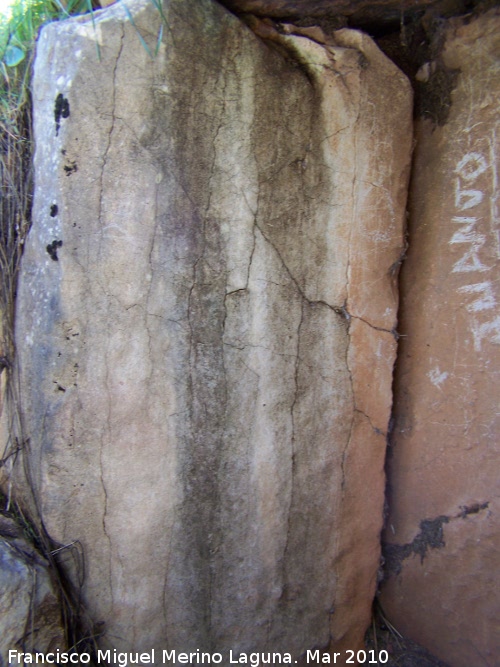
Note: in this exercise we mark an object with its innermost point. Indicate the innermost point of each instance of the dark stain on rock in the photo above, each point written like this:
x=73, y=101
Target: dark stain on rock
x=61, y=110
x=53, y=210
x=70, y=168
x=52, y=249
x=472, y=509
x=429, y=537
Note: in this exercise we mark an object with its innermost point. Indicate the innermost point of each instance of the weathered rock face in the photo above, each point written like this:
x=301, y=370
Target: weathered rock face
x=443, y=532
x=359, y=12
x=30, y=618
x=204, y=323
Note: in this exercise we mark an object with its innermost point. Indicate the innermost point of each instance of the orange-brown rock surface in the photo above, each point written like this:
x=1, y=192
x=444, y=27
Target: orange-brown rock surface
x=443, y=531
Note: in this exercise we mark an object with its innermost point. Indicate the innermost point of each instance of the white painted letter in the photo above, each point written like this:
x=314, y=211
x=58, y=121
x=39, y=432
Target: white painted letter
x=471, y=166
x=488, y=329
x=488, y=300
x=465, y=199
x=470, y=262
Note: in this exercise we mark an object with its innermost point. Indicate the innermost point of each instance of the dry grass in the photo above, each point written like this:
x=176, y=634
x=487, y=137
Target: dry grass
x=16, y=194
x=400, y=651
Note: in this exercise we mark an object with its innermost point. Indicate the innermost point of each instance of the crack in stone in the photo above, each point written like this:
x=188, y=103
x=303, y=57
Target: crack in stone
x=392, y=331
x=147, y=298
x=254, y=238
x=344, y=451
x=293, y=441
x=375, y=428
x=109, y=429
x=342, y=312
x=112, y=128
x=103, y=483
x=339, y=310
x=344, y=309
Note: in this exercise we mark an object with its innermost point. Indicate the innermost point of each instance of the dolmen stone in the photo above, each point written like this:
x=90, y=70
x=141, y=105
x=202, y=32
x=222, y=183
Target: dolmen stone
x=443, y=536
x=205, y=323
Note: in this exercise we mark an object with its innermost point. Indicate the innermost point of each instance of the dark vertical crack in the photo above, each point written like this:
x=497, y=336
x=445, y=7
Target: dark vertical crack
x=293, y=452
x=351, y=429
x=254, y=241
x=110, y=132
x=150, y=285
x=109, y=402
x=347, y=303
x=106, y=435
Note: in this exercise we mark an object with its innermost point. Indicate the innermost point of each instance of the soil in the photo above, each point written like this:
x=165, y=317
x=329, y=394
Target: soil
x=402, y=651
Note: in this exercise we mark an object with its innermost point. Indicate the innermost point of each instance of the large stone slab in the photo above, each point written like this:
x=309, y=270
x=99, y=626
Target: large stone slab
x=443, y=530
x=361, y=13
x=205, y=321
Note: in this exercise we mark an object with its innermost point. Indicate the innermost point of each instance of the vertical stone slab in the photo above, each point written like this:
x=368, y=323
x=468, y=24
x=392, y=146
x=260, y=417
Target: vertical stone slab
x=443, y=538
x=192, y=324
x=366, y=112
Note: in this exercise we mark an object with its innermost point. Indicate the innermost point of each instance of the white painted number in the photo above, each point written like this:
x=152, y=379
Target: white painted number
x=370, y=658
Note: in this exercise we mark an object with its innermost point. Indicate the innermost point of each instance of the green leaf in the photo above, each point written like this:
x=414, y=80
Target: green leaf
x=146, y=47
x=158, y=41
x=13, y=55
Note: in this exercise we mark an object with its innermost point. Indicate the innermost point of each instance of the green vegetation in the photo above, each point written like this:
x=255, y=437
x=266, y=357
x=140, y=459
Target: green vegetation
x=19, y=25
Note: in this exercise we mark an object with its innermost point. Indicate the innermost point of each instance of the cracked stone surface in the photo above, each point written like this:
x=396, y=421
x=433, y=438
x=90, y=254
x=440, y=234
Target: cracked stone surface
x=206, y=320
x=443, y=538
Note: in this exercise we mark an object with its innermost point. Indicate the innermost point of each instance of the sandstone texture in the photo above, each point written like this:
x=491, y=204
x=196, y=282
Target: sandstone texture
x=30, y=616
x=205, y=323
x=443, y=533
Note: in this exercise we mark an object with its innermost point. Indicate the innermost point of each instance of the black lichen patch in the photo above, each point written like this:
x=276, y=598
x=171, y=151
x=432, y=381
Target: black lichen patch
x=70, y=168
x=429, y=537
x=52, y=249
x=53, y=210
x=61, y=110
